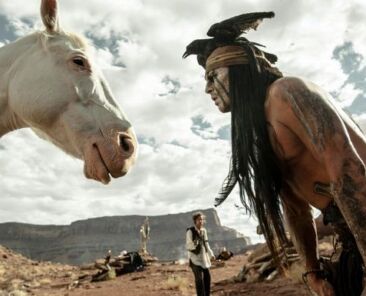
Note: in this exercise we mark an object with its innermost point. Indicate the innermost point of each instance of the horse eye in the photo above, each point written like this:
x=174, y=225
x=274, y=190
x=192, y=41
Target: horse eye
x=79, y=62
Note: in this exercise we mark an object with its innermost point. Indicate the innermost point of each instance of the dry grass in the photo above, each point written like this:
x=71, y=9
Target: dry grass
x=2, y=271
x=45, y=281
x=176, y=283
x=18, y=293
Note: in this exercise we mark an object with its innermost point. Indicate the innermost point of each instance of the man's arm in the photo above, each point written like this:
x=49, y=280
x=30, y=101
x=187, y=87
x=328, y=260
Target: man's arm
x=190, y=245
x=306, y=111
x=302, y=229
x=301, y=226
x=209, y=250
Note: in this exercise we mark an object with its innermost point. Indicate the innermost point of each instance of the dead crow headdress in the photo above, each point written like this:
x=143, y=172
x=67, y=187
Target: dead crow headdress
x=227, y=33
x=253, y=165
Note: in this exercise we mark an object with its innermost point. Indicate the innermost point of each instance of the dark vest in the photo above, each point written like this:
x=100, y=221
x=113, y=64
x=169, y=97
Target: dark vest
x=196, y=237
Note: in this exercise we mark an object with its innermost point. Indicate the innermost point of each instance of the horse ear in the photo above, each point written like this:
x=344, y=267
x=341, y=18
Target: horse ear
x=49, y=15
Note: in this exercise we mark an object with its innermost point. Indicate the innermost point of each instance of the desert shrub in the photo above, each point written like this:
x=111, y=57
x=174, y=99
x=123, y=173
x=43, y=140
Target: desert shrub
x=176, y=283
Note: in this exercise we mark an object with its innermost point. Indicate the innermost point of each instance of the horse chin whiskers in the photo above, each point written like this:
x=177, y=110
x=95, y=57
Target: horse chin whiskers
x=105, y=181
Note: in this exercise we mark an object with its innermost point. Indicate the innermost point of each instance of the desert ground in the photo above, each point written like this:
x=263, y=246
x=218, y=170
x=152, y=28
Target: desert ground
x=20, y=276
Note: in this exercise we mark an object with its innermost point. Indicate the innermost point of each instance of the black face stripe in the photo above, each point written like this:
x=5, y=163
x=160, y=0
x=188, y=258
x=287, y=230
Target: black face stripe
x=222, y=86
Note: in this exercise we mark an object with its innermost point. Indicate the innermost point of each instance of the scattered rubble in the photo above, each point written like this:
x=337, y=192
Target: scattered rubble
x=261, y=265
x=20, y=276
x=23, y=277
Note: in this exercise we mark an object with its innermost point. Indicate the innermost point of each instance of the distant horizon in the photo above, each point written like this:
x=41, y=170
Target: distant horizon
x=129, y=215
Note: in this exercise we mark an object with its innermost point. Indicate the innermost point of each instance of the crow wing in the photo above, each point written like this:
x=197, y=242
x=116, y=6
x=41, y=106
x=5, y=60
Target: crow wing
x=233, y=27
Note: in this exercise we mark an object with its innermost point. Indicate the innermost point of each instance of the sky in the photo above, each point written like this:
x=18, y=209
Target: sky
x=184, y=140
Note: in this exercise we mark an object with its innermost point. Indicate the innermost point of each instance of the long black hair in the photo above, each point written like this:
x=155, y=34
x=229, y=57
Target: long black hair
x=254, y=165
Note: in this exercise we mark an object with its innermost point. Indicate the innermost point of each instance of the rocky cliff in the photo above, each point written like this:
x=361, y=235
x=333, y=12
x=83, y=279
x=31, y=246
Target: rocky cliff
x=84, y=241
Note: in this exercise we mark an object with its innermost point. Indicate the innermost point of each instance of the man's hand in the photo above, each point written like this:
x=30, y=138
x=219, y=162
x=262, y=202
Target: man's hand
x=320, y=286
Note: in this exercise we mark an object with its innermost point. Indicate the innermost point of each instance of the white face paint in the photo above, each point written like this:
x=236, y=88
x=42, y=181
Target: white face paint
x=217, y=86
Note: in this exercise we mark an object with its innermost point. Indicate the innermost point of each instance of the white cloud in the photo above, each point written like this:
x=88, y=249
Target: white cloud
x=347, y=94
x=180, y=171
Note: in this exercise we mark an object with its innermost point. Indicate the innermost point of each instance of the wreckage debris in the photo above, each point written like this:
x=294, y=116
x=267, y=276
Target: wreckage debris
x=126, y=262
x=261, y=266
x=224, y=255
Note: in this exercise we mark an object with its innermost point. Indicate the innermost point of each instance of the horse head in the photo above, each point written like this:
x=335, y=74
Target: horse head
x=55, y=88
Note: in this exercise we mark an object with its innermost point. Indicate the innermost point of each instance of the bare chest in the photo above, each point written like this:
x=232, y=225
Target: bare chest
x=306, y=177
x=308, y=180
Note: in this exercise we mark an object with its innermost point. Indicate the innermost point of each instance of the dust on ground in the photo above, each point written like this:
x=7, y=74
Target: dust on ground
x=20, y=276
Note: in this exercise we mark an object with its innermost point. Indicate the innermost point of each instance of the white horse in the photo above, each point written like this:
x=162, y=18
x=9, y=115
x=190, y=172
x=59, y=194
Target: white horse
x=49, y=83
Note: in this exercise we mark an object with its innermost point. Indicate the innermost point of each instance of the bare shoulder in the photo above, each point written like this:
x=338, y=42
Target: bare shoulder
x=286, y=83
x=294, y=86
x=306, y=110
x=276, y=103
x=291, y=93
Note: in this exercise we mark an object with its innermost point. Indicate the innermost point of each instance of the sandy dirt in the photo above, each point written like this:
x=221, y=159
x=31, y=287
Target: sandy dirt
x=20, y=276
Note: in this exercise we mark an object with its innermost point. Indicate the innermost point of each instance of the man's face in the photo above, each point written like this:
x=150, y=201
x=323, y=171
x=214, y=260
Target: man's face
x=217, y=86
x=199, y=222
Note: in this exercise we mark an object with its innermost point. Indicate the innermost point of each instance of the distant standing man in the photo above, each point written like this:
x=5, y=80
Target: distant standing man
x=145, y=235
x=199, y=254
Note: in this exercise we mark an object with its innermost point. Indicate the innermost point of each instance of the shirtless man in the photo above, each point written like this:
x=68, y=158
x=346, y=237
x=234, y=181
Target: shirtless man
x=290, y=146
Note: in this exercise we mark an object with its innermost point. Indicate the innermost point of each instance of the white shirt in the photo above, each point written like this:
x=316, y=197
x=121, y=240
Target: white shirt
x=203, y=257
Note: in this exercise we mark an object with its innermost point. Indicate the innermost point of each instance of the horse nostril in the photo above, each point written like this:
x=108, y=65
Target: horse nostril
x=126, y=144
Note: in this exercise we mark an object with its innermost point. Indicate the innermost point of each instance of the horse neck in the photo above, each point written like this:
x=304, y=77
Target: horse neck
x=9, y=54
